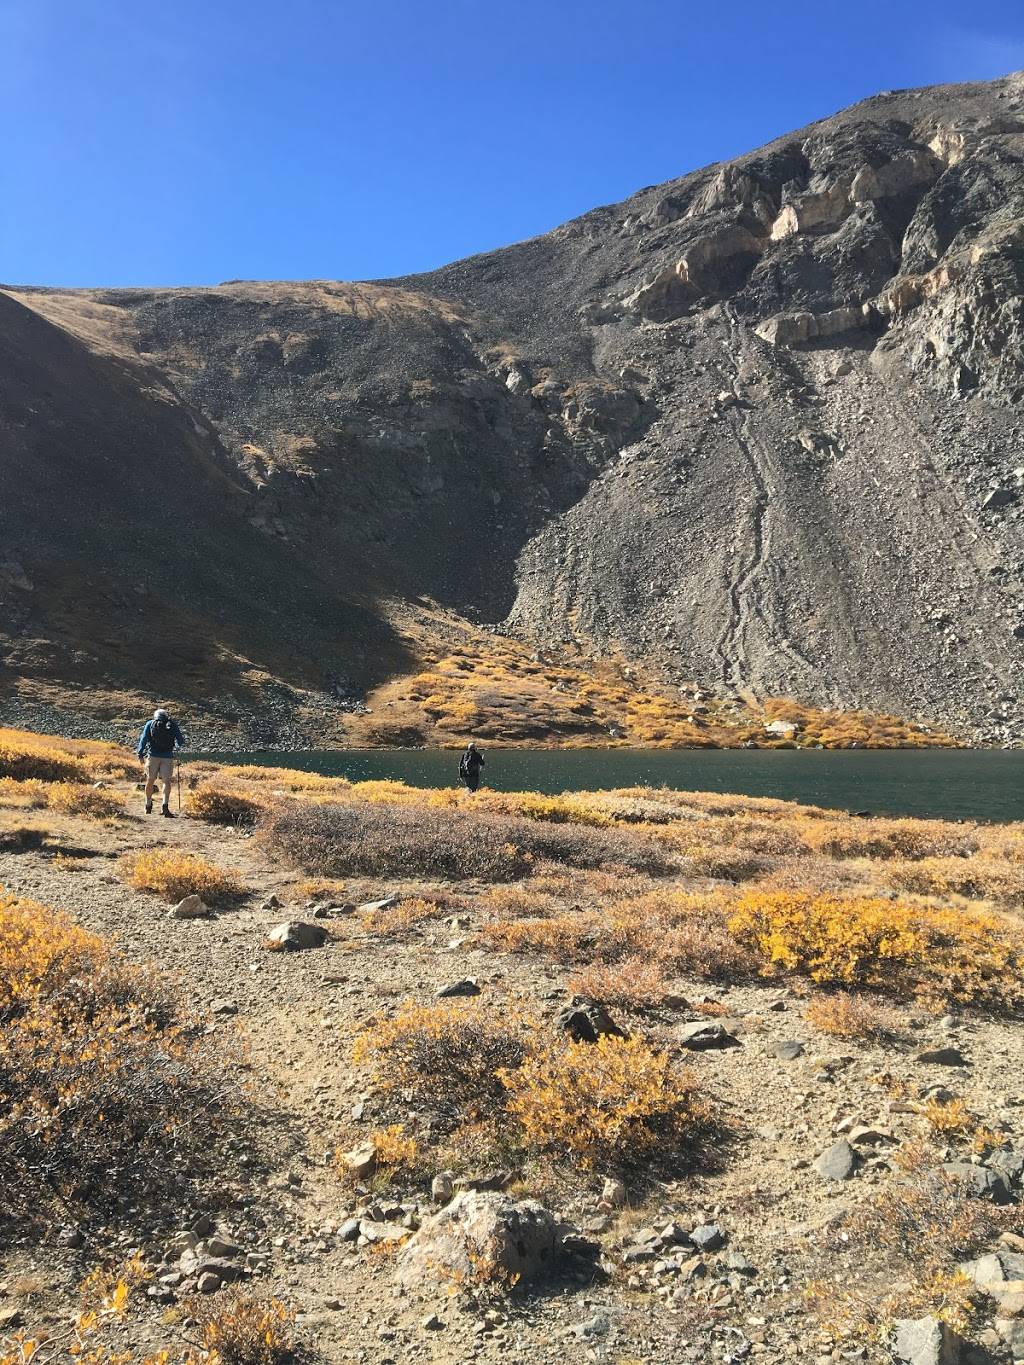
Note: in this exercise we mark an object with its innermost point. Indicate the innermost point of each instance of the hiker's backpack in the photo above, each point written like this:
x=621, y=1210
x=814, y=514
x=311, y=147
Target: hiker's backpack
x=161, y=734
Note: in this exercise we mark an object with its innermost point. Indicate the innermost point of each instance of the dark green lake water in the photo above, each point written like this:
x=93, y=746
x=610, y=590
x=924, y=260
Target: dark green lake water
x=955, y=784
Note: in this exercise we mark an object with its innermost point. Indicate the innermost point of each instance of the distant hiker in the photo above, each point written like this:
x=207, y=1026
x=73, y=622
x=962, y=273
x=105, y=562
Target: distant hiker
x=469, y=766
x=160, y=737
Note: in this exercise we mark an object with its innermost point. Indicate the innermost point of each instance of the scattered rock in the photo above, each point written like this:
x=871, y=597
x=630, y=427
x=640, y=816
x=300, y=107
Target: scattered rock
x=432, y=1323
x=467, y=986
x=192, y=907
x=295, y=935
x=223, y=1008
x=789, y=1051
x=706, y=1034
x=863, y=1135
x=521, y=1241
x=208, y=1282
x=387, y=903
x=838, y=1163
x=587, y=1020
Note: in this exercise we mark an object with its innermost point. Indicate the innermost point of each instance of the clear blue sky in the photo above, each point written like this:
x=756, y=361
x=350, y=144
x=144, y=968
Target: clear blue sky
x=202, y=140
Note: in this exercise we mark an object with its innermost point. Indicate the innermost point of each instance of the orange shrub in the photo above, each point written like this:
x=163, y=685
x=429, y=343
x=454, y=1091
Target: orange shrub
x=73, y=798
x=849, y=1016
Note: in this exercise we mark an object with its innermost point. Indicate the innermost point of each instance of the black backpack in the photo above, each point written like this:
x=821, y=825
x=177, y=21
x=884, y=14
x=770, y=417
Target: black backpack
x=161, y=734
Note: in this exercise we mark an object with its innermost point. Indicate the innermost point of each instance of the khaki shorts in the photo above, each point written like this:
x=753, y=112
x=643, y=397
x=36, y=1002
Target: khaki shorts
x=160, y=769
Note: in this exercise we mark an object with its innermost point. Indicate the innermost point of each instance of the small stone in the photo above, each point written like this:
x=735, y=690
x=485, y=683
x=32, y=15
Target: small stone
x=467, y=986
x=708, y=1237
x=705, y=1034
x=789, y=1051
x=839, y=1162
x=432, y=1323
x=349, y=1230
x=208, y=1282
x=192, y=907
x=863, y=1135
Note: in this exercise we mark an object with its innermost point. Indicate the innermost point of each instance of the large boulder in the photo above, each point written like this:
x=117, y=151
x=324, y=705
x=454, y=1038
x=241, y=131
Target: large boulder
x=483, y=1234
x=926, y=1341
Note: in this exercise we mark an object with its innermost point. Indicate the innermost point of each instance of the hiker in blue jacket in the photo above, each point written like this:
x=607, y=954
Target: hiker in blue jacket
x=160, y=737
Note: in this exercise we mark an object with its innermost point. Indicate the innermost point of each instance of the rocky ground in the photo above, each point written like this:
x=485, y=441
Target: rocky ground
x=713, y=1264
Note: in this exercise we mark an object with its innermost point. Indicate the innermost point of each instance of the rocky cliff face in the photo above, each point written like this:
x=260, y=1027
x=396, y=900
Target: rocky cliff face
x=759, y=428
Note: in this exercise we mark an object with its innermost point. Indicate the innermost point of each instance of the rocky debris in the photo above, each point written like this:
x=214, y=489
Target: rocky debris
x=839, y=1162
x=704, y=1034
x=1011, y=1334
x=442, y=1187
x=587, y=1020
x=467, y=985
x=192, y=907
x=204, y=1258
x=224, y=1009
x=925, y=1341
x=295, y=936
x=519, y=1242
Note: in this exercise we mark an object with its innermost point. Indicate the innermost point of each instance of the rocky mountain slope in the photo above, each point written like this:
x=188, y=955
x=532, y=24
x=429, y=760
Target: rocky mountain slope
x=756, y=429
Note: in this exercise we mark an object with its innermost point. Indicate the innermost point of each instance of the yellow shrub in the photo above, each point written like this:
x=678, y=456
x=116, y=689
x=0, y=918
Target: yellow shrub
x=884, y=945
x=394, y=1148
x=72, y=798
x=224, y=805
x=29, y=759
x=29, y=792
x=173, y=874
x=40, y=946
x=980, y=878
x=949, y=1117
x=607, y=1103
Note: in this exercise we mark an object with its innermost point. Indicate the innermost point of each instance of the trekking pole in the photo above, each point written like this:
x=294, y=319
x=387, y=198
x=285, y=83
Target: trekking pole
x=179, y=786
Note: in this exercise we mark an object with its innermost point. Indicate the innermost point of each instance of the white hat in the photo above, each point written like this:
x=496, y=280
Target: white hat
x=159, y=713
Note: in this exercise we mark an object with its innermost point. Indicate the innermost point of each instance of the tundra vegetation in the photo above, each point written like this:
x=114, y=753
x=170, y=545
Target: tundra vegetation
x=683, y=930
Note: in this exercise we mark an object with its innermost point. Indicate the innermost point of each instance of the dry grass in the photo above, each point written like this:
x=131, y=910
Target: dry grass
x=850, y=1016
x=72, y=798
x=174, y=874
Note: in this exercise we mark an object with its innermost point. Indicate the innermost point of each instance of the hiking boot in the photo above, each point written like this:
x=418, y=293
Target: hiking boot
x=165, y=810
x=149, y=808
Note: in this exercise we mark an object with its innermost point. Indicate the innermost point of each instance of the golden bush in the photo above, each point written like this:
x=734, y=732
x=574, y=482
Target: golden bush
x=970, y=957
x=606, y=1104
x=174, y=874
x=998, y=879
x=29, y=758
x=951, y=1118
x=42, y=949
x=74, y=798
x=29, y=793
x=221, y=804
